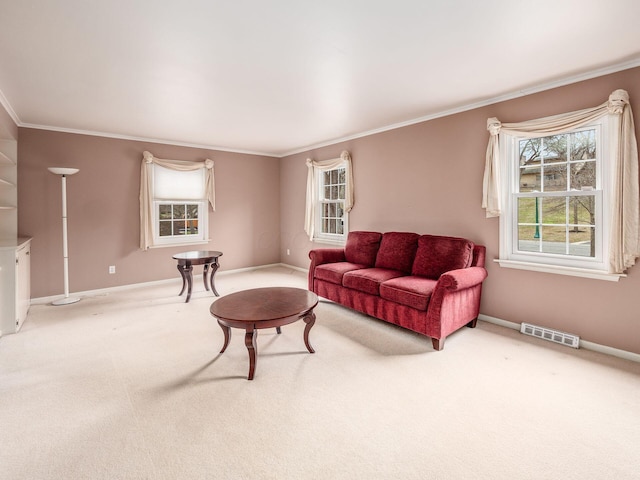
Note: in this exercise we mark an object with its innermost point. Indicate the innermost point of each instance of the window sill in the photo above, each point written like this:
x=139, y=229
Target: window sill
x=181, y=244
x=560, y=270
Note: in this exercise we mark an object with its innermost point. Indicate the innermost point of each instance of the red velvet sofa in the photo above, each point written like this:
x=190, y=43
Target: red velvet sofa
x=427, y=283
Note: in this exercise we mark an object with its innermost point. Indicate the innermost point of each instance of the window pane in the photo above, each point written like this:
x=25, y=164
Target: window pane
x=339, y=210
x=530, y=179
x=178, y=211
x=334, y=177
x=179, y=227
x=342, y=176
x=529, y=151
x=327, y=193
x=192, y=227
x=582, y=242
x=553, y=239
x=192, y=211
x=527, y=210
x=340, y=227
x=326, y=177
x=553, y=210
x=165, y=229
x=583, y=176
x=325, y=210
x=583, y=145
x=554, y=149
x=528, y=239
x=332, y=210
x=164, y=212
x=555, y=178
x=582, y=210
x=341, y=192
x=332, y=226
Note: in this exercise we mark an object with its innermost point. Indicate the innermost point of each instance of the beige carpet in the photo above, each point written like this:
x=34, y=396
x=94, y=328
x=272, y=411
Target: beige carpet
x=130, y=385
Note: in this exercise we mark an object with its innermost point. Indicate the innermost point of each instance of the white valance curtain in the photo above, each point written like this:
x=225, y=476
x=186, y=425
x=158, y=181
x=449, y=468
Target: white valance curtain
x=146, y=189
x=316, y=168
x=625, y=211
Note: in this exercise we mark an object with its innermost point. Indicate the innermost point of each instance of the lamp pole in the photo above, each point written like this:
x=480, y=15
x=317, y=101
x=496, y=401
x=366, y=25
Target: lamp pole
x=64, y=172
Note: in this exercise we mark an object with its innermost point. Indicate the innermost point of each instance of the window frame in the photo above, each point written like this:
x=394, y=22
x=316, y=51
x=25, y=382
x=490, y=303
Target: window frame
x=511, y=256
x=186, y=239
x=320, y=235
x=202, y=237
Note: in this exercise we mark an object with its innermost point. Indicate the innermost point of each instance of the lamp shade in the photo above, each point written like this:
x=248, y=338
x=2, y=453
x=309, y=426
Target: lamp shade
x=63, y=170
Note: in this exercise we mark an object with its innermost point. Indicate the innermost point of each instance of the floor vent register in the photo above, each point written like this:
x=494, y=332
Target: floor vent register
x=556, y=336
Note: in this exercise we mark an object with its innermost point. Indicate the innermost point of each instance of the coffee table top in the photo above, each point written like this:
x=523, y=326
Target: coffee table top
x=264, y=304
x=197, y=255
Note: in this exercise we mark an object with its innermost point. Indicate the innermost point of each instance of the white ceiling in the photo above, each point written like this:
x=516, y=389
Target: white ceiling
x=277, y=76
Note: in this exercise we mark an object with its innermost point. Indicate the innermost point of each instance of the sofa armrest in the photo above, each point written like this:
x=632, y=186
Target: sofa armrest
x=462, y=278
x=455, y=301
x=326, y=255
x=320, y=256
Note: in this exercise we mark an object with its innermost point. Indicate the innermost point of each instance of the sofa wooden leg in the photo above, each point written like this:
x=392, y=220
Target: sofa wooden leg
x=472, y=323
x=438, y=343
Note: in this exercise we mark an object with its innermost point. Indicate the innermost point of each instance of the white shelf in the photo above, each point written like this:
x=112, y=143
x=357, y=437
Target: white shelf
x=4, y=160
x=7, y=207
x=4, y=183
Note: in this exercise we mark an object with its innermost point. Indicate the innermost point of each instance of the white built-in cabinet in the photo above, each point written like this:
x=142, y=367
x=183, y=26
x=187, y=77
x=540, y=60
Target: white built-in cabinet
x=15, y=278
x=15, y=252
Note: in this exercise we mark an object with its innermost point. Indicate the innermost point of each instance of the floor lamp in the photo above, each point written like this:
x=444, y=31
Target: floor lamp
x=64, y=172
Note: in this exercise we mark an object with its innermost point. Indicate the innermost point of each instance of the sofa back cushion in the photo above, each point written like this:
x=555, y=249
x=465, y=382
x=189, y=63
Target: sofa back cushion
x=362, y=247
x=437, y=255
x=397, y=250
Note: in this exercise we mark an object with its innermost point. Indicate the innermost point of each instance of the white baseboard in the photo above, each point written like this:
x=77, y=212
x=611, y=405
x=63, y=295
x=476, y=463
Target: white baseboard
x=615, y=352
x=102, y=291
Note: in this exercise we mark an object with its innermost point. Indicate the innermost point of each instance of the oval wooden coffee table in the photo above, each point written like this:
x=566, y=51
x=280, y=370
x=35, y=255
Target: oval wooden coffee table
x=258, y=308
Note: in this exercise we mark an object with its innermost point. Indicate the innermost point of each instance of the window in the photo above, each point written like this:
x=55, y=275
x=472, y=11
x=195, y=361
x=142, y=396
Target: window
x=557, y=199
x=173, y=201
x=179, y=206
x=566, y=190
x=329, y=199
x=331, y=217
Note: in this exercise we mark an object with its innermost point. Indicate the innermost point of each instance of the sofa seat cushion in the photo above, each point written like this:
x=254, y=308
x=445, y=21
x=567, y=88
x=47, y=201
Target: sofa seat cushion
x=411, y=291
x=368, y=280
x=397, y=251
x=362, y=247
x=333, y=272
x=437, y=255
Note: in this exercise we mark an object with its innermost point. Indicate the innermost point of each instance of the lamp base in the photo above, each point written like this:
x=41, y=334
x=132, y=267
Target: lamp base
x=65, y=301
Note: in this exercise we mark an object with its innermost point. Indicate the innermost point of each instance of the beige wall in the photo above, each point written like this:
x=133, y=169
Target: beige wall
x=103, y=210
x=427, y=178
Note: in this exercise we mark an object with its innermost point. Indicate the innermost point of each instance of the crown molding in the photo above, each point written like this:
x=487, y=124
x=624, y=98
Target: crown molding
x=145, y=139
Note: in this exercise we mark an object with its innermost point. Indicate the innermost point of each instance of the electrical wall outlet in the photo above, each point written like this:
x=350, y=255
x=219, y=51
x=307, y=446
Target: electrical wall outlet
x=112, y=269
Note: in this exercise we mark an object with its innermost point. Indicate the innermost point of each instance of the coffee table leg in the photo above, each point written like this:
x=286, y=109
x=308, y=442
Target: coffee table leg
x=184, y=278
x=227, y=336
x=204, y=276
x=250, y=342
x=214, y=268
x=188, y=273
x=309, y=319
